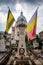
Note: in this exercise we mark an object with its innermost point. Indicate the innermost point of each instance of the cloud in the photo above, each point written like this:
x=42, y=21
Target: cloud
x=8, y=1
x=12, y=3
x=33, y=2
x=40, y=19
x=3, y=19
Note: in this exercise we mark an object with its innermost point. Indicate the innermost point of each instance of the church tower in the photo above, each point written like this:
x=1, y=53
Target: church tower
x=21, y=24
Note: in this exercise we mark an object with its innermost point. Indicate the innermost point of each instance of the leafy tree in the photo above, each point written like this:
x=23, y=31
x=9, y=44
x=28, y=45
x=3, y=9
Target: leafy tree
x=28, y=42
x=26, y=39
x=39, y=41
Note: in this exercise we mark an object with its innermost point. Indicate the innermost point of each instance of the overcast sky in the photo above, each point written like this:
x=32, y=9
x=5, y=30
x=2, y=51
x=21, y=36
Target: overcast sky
x=27, y=6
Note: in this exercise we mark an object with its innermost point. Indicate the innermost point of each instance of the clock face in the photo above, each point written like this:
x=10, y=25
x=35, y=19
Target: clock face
x=22, y=51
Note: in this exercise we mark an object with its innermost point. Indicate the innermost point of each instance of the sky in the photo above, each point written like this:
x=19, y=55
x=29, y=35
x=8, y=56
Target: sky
x=27, y=6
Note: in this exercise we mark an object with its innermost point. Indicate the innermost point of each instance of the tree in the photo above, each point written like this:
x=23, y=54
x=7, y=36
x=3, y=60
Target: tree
x=28, y=42
x=26, y=39
x=39, y=41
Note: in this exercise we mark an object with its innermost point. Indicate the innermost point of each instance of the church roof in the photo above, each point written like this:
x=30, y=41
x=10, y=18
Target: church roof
x=21, y=17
